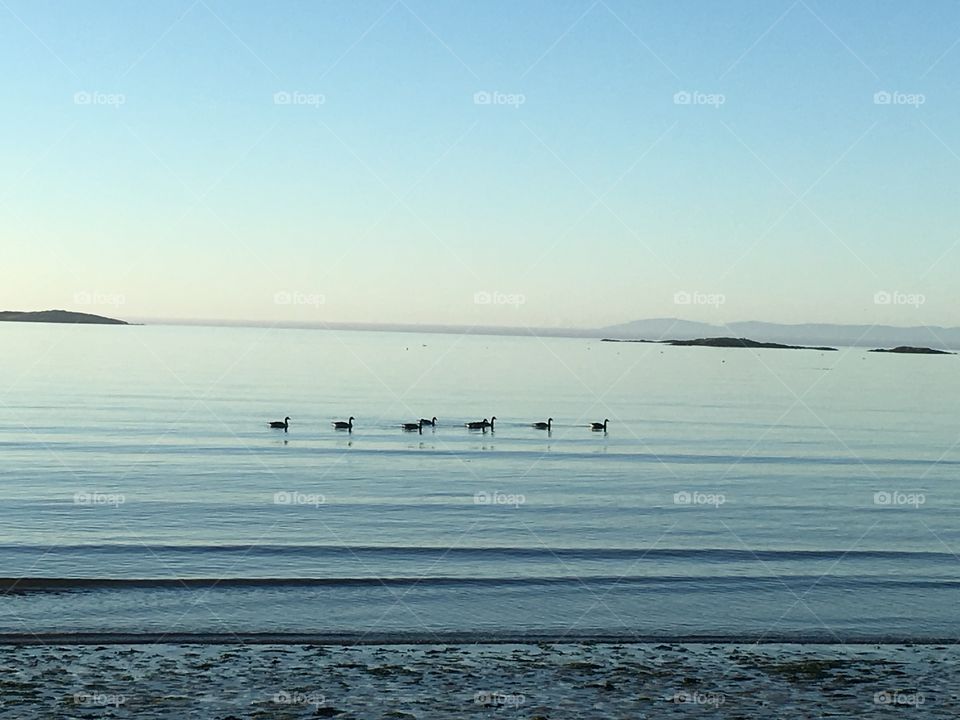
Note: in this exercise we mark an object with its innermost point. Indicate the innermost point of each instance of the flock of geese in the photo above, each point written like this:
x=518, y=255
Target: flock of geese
x=423, y=422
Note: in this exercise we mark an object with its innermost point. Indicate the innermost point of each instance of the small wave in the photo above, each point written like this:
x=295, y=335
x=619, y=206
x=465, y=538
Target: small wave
x=715, y=582
x=491, y=552
x=384, y=446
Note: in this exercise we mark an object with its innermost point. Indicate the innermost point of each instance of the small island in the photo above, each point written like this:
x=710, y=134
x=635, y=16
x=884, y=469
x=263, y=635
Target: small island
x=58, y=316
x=909, y=350
x=727, y=342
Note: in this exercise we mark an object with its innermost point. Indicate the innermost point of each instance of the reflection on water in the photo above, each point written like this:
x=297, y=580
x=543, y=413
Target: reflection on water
x=173, y=421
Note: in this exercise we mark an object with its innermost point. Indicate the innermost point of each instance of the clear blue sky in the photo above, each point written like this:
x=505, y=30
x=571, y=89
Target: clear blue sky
x=148, y=159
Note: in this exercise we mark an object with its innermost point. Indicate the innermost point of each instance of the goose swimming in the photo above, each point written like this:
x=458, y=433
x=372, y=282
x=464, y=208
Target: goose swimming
x=482, y=424
x=599, y=426
x=410, y=427
x=341, y=425
x=285, y=424
x=548, y=425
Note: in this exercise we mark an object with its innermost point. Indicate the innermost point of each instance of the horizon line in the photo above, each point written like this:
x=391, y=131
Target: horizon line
x=496, y=329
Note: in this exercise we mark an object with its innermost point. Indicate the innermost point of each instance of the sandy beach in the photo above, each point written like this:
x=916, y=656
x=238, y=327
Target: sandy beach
x=479, y=681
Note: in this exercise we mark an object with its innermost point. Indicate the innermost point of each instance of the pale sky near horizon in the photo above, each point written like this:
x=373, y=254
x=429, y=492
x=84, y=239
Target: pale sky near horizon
x=539, y=163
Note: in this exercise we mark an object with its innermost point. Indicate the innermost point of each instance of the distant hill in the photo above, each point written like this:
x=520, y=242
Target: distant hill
x=744, y=343
x=806, y=334
x=57, y=316
x=907, y=350
x=653, y=329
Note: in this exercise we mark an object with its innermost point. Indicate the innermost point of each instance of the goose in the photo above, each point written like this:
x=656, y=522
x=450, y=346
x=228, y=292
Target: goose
x=410, y=427
x=548, y=425
x=341, y=425
x=431, y=423
x=285, y=424
x=482, y=424
x=599, y=426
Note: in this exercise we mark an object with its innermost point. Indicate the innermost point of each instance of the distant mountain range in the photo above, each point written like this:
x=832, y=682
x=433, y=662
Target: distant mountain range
x=57, y=316
x=805, y=334
x=872, y=336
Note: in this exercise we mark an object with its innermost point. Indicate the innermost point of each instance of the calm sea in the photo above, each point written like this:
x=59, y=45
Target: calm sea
x=737, y=493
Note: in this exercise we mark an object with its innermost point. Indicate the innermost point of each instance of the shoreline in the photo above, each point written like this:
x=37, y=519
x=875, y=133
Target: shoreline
x=463, y=639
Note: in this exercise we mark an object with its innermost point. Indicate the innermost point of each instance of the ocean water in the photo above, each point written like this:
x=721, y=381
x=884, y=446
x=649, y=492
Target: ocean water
x=737, y=493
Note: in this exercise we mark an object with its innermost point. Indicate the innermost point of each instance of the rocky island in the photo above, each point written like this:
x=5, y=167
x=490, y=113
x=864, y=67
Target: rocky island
x=58, y=316
x=909, y=350
x=727, y=342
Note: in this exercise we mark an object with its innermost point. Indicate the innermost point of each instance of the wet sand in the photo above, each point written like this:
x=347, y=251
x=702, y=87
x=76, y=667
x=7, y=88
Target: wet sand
x=602, y=680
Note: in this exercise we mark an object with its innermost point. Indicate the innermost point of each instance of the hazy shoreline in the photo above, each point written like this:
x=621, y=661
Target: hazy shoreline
x=781, y=334
x=467, y=638
x=819, y=336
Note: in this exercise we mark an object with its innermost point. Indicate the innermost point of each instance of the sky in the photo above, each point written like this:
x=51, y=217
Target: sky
x=538, y=163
